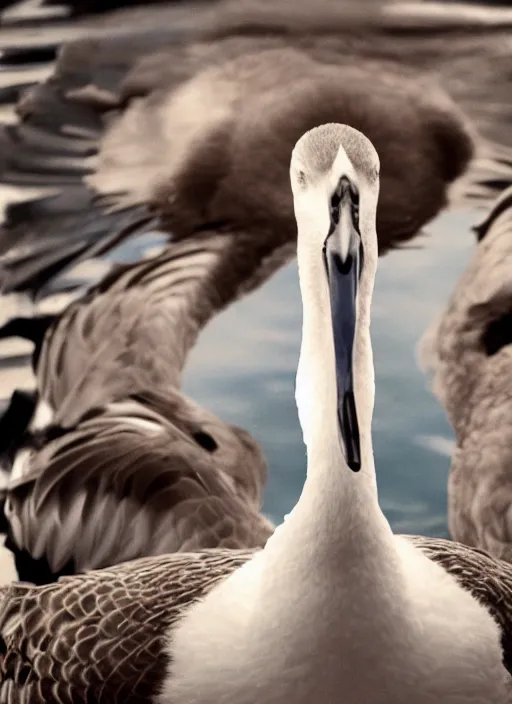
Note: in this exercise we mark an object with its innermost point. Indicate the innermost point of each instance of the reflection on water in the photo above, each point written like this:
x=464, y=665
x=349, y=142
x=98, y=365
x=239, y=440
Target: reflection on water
x=243, y=369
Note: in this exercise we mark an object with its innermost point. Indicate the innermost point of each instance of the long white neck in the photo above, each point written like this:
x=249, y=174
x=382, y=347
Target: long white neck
x=338, y=513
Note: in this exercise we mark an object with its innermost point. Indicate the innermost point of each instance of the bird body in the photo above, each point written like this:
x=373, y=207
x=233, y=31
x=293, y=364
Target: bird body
x=130, y=609
x=374, y=628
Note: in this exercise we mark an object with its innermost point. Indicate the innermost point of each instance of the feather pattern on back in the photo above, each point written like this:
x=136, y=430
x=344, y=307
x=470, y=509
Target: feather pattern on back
x=128, y=612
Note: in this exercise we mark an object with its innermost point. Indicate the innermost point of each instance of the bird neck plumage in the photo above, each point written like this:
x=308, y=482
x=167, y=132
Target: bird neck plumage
x=340, y=506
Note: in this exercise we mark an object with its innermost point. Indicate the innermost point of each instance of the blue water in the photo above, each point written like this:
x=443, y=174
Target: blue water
x=243, y=369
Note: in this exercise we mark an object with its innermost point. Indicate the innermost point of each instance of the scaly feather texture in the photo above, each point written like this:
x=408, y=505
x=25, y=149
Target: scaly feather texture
x=101, y=636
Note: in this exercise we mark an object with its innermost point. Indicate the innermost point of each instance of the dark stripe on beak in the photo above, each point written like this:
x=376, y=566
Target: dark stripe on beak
x=342, y=263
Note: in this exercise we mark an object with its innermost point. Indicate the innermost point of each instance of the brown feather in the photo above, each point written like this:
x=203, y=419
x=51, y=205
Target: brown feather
x=100, y=636
x=472, y=352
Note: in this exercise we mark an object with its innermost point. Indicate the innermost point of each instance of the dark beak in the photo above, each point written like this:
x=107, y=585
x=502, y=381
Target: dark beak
x=343, y=262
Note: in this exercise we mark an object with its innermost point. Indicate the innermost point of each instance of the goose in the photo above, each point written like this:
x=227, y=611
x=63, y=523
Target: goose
x=334, y=606
x=139, y=126
x=471, y=357
x=117, y=462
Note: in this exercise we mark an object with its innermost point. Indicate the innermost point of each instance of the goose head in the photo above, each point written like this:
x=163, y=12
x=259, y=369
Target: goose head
x=335, y=182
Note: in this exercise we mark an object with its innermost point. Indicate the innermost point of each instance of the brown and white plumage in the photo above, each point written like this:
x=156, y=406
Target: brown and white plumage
x=143, y=127
x=100, y=636
x=126, y=465
x=471, y=356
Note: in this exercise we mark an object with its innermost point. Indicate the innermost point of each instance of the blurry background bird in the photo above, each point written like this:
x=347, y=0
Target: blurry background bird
x=469, y=349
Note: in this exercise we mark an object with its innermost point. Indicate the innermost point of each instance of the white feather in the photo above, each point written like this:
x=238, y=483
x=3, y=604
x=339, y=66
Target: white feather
x=336, y=608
